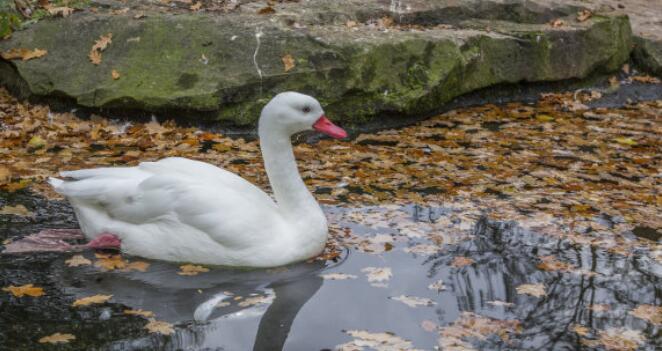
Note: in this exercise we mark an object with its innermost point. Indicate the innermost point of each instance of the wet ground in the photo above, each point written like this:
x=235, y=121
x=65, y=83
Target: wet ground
x=409, y=277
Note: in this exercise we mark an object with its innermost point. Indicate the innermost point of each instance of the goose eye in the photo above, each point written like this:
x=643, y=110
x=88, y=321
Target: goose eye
x=305, y=109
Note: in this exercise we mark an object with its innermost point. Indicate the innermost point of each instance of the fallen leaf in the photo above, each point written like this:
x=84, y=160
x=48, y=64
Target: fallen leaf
x=57, y=338
x=256, y=300
x=375, y=341
x=77, y=260
x=337, y=276
x=190, y=269
x=413, y=301
x=36, y=142
x=196, y=6
x=62, y=11
x=27, y=289
x=625, y=141
x=139, y=312
x=544, y=118
x=557, y=23
x=621, y=339
x=461, y=261
x=23, y=54
x=645, y=79
x=5, y=174
x=350, y=24
x=100, y=45
x=429, y=326
x=438, y=286
x=96, y=299
x=580, y=329
x=583, y=15
x=288, y=62
x=159, y=327
x=137, y=266
x=378, y=275
x=536, y=290
x=650, y=313
x=266, y=10
x=18, y=210
x=115, y=75
x=110, y=262
x=95, y=57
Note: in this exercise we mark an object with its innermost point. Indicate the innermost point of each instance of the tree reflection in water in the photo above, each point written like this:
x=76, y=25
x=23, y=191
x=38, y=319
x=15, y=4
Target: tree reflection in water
x=599, y=292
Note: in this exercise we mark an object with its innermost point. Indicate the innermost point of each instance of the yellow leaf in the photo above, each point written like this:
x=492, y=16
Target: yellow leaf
x=536, y=290
x=160, y=327
x=23, y=54
x=137, y=266
x=196, y=6
x=110, y=263
x=288, y=62
x=27, y=289
x=544, y=118
x=580, y=329
x=115, y=75
x=95, y=57
x=36, y=142
x=77, y=260
x=190, y=269
x=18, y=210
x=85, y=301
x=625, y=141
x=139, y=312
x=57, y=338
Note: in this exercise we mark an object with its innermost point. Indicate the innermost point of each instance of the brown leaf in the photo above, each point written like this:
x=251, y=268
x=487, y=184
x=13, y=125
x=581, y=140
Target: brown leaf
x=159, y=327
x=57, y=338
x=197, y=6
x=557, y=23
x=27, y=289
x=650, y=313
x=62, y=11
x=115, y=75
x=583, y=15
x=18, y=210
x=580, y=329
x=96, y=299
x=23, y=54
x=536, y=290
x=100, y=45
x=95, y=57
x=288, y=62
x=461, y=261
x=268, y=10
x=190, y=269
x=77, y=260
x=139, y=312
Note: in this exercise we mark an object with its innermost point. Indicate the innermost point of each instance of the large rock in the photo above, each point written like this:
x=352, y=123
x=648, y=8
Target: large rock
x=227, y=66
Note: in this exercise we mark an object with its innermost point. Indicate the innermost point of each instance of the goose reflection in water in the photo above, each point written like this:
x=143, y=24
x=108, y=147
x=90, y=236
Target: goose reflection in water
x=208, y=303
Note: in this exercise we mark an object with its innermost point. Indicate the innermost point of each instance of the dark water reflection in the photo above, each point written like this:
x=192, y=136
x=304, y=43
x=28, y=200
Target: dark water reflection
x=302, y=311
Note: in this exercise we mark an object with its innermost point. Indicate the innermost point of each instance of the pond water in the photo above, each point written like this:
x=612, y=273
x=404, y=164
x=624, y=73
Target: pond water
x=409, y=277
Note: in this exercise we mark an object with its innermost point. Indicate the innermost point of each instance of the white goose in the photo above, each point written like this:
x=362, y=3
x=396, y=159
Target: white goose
x=182, y=210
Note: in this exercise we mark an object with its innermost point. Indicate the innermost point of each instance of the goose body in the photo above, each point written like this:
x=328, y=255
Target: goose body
x=182, y=210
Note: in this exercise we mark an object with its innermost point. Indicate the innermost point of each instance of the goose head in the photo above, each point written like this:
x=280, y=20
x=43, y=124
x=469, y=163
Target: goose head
x=290, y=112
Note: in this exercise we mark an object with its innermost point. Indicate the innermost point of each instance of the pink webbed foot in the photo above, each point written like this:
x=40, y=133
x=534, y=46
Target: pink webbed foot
x=105, y=241
x=47, y=240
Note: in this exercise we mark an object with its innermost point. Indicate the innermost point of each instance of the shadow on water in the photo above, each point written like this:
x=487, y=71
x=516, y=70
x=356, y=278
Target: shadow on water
x=294, y=308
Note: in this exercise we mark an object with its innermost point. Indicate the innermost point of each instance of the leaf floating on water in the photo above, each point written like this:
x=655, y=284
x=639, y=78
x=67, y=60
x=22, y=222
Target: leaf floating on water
x=77, y=260
x=599, y=307
x=500, y=303
x=57, y=338
x=375, y=341
x=90, y=300
x=137, y=266
x=23, y=54
x=437, y=286
x=580, y=329
x=159, y=327
x=471, y=325
x=256, y=300
x=110, y=262
x=536, y=290
x=337, y=276
x=27, y=289
x=414, y=301
x=550, y=263
x=461, y=261
x=18, y=210
x=288, y=62
x=378, y=276
x=429, y=325
x=139, y=312
x=190, y=269
x=650, y=313
x=618, y=339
